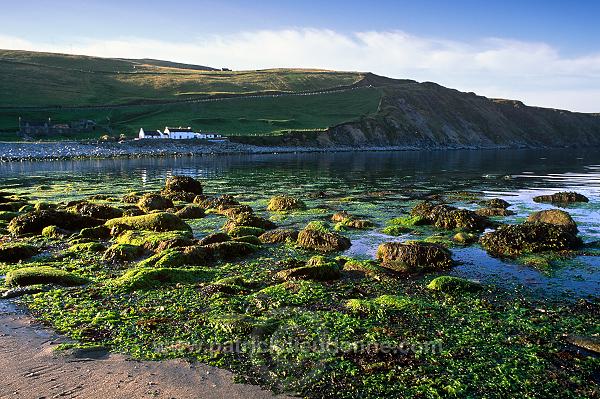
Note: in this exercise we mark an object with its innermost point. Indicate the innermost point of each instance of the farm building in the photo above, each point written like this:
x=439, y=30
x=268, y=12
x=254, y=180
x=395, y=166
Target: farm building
x=181, y=133
x=176, y=133
x=151, y=134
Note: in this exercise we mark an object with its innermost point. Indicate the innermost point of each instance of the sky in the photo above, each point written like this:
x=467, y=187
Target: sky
x=545, y=53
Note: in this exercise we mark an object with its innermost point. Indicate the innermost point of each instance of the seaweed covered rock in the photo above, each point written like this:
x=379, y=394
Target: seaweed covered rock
x=317, y=268
x=254, y=240
x=183, y=184
x=279, y=236
x=249, y=220
x=449, y=218
x=54, y=232
x=491, y=212
x=316, y=236
x=155, y=241
x=413, y=256
x=239, y=231
x=191, y=212
x=86, y=247
x=345, y=220
x=563, y=197
x=214, y=238
x=495, y=203
x=236, y=210
x=97, y=211
x=178, y=195
x=95, y=233
x=220, y=204
x=154, y=202
x=42, y=275
x=175, y=257
x=513, y=240
x=149, y=278
x=453, y=285
x=34, y=222
x=7, y=216
x=231, y=249
x=152, y=222
x=465, y=238
x=14, y=252
x=118, y=253
x=554, y=216
x=132, y=198
x=285, y=203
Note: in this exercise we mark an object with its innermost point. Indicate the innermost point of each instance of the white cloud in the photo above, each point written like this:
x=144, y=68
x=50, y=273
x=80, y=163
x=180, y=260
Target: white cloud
x=533, y=72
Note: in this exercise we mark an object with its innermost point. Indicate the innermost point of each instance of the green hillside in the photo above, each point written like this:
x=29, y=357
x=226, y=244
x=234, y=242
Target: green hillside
x=122, y=95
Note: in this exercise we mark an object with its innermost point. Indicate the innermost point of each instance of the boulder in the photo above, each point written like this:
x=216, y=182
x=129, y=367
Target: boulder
x=178, y=195
x=453, y=285
x=514, y=239
x=236, y=210
x=240, y=231
x=132, y=198
x=228, y=250
x=42, y=275
x=34, y=222
x=413, y=256
x=97, y=211
x=554, y=216
x=285, y=203
x=119, y=253
x=152, y=222
x=449, y=218
x=248, y=219
x=191, y=212
x=562, y=197
x=490, y=212
x=155, y=241
x=214, y=238
x=184, y=184
x=148, y=278
x=494, y=203
x=54, y=232
x=317, y=268
x=220, y=203
x=154, y=202
x=279, y=236
x=317, y=237
x=14, y=252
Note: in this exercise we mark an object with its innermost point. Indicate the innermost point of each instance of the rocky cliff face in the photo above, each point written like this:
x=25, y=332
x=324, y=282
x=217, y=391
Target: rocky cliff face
x=427, y=115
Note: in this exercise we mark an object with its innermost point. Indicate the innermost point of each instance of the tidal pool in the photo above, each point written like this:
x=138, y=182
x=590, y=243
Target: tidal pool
x=376, y=185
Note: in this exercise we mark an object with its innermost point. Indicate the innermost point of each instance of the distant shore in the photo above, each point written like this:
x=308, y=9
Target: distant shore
x=68, y=150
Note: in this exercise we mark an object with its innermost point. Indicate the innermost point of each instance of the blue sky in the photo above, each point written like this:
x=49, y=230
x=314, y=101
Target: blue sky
x=543, y=52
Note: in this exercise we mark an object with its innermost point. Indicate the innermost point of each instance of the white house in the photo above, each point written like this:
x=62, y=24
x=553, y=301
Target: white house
x=182, y=133
x=150, y=134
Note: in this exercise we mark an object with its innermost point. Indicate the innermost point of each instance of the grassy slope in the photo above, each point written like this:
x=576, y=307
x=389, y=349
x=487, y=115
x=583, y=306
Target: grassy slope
x=43, y=79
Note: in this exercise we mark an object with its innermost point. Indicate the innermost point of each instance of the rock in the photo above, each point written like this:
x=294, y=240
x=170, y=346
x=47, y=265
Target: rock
x=152, y=222
x=95, y=233
x=28, y=290
x=285, y=203
x=562, y=197
x=495, y=203
x=465, y=238
x=591, y=344
x=449, y=218
x=183, y=184
x=413, y=256
x=239, y=231
x=86, y=247
x=359, y=224
x=279, y=236
x=248, y=219
x=148, y=278
x=156, y=241
x=340, y=216
x=214, y=238
x=220, y=204
x=97, y=211
x=316, y=236
x=133, y=211
x=514, y=239
x=175, y=257
x=54, y=232
x=132, y=198
x=490, y=212
x=554, y=216
x=231, y=249
x=42, y=275
x=154, y=202
x=119, y=253
x=254, y=240
x=453, y=285
x=14, y=252
x=236, y=210
x=34, y=222
x=191, y=212
x=178, y=195
x=317, y=268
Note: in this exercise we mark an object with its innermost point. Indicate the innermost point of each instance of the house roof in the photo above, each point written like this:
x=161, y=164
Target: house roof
x=179, y=129
x=152, y=132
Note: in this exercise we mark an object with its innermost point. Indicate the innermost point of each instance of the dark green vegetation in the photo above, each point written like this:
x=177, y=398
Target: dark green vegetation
x=343, y=108
x=280, y=314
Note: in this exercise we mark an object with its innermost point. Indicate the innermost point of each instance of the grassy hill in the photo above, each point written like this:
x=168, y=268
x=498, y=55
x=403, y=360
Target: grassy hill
x=123, y=95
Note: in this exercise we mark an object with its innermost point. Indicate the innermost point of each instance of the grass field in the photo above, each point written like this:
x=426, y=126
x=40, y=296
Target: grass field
x=236, y=116
x=39, y=80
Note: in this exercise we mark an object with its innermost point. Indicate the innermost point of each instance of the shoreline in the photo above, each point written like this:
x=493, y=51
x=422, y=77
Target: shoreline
x=33, y=368
x=82, y=150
